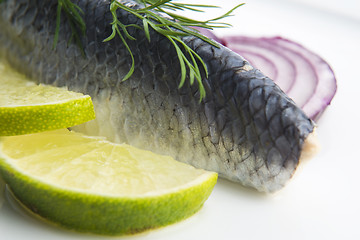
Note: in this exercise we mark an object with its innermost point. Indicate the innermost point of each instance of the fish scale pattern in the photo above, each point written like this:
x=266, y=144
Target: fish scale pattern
x=246, y=128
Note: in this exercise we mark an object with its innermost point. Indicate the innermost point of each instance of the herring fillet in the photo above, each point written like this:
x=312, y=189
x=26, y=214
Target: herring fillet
x=246, y=128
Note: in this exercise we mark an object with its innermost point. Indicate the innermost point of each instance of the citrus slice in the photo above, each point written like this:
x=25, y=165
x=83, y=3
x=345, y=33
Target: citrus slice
x=91, y=185
x=26, y=107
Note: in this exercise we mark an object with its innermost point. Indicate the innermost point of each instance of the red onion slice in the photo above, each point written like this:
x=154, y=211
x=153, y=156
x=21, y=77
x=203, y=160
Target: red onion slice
x=325, y=87
x=284, y=67
x=300, y=73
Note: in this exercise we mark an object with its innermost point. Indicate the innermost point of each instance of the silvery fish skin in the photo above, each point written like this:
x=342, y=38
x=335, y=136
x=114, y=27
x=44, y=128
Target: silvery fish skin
x=246, y=128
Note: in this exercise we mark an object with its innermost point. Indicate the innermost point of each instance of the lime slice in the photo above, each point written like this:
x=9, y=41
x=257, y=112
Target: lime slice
x=91, y=185
x=26, y=107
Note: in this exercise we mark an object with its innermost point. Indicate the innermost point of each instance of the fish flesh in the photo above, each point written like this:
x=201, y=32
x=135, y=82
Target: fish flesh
x=246, y=128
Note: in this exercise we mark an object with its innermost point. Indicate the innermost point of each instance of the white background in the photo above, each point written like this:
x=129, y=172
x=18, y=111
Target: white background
x=323, y=200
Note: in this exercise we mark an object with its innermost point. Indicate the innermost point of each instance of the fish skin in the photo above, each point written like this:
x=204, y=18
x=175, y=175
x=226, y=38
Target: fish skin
x=246, y=128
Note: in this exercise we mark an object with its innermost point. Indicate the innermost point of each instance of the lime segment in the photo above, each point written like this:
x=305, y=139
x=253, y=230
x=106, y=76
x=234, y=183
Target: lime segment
x=89, y=184
x=26, y=107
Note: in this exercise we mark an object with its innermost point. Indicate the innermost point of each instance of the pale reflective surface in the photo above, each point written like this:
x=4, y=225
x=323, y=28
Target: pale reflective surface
x=322, y=201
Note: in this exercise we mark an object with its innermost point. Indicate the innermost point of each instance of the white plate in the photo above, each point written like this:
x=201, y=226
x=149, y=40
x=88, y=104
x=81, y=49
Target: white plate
x=322, y=201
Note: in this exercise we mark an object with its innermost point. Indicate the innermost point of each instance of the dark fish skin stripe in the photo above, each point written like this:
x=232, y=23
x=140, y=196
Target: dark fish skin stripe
x=246, y=128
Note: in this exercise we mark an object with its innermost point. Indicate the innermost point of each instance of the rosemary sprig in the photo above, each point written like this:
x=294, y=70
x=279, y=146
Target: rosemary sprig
x=173, y=27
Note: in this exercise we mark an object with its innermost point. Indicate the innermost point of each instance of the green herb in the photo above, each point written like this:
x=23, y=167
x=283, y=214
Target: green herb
x=160, y=16
x=74, y=16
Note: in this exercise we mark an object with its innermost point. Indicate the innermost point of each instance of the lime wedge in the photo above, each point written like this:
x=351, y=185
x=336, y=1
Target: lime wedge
x=26, y=107
x=91, y=185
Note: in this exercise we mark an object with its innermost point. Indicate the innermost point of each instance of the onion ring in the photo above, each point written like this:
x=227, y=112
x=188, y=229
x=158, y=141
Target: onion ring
x=302, y=74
